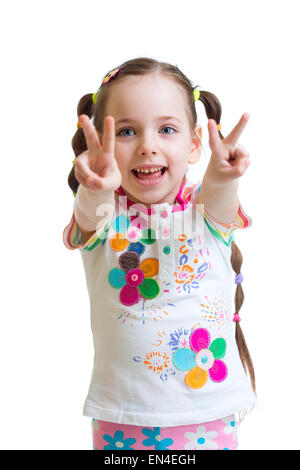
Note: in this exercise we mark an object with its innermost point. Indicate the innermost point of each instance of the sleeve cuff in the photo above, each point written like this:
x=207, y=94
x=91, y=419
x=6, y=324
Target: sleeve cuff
x=72, y=237
x=225, y=232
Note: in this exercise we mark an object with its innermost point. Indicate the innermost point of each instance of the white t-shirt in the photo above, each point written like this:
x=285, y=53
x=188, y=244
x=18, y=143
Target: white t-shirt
x=161, y=285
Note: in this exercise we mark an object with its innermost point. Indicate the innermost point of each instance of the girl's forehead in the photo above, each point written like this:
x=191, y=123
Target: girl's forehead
x=151, y=92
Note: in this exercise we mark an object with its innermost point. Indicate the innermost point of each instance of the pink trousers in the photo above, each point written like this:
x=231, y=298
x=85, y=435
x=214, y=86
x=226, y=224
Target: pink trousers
x=214, y=435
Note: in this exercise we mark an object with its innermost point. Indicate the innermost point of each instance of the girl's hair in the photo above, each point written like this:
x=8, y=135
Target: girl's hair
x=143, y=66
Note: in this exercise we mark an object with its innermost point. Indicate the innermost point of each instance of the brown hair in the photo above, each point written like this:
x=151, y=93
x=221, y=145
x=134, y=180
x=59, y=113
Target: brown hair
x=213, y=109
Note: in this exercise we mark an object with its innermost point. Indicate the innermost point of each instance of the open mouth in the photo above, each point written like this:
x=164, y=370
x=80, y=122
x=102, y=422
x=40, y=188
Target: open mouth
x=151, y=175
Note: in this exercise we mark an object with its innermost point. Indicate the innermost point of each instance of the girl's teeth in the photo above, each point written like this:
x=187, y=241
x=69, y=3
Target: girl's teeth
x=150, y=170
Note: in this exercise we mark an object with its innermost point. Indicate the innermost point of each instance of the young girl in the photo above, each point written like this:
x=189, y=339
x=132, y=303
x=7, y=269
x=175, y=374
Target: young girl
x=157, y=251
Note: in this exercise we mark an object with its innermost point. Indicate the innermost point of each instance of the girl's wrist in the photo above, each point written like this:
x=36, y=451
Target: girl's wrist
x=214, y=177
x=92, y=208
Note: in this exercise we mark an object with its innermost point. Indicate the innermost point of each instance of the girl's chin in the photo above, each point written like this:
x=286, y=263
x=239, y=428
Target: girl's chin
x=148, y=197
x=158, y=191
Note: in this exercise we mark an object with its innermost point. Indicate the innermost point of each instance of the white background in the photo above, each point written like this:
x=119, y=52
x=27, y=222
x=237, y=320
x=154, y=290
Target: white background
x=52, y=53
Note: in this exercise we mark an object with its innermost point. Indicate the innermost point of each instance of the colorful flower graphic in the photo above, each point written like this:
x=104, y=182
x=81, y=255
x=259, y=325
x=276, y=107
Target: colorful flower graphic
x=214, y=311
x=179, y=338
x=203, y=360
x=184, y=274
x=117, y=442
x=134, y=278
x=130, y=237
x=154, y=439
x=230, y=425
x=201, y=439
x=194, y=264
x=157, y=361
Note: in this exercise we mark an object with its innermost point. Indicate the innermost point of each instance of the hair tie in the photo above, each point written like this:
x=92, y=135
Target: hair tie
x=239, y=278
x=236, y=318
x=196, y=93
x=95, y=97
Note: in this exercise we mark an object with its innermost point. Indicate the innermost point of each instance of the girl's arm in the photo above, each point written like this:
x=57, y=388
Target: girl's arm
x=228, y=162
x=98, y=174
x=220, y=200
x=92, y=210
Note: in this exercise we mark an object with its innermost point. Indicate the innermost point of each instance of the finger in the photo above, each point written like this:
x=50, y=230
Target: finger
x=91, y=137
x=82, y=167
x=109, y=135
x=240, y=161
x=82, y=170
x=236, y=132
x=215, y=141
x=242, y=166
x=88, y=178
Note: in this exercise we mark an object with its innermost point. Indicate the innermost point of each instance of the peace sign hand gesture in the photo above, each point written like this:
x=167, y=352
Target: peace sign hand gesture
x=96, y=168
x=229, y=160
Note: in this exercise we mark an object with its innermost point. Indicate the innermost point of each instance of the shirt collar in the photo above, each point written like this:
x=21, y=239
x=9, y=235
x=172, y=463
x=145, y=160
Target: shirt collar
x=182, y=198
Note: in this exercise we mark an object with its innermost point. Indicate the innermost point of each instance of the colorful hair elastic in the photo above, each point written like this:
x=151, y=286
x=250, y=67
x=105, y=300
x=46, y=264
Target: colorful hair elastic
x=236, y=318
x=196, y=93
x=239, y=278
x=94, y=97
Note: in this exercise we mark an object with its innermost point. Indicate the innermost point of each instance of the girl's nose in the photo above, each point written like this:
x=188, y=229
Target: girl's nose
x=147, y=146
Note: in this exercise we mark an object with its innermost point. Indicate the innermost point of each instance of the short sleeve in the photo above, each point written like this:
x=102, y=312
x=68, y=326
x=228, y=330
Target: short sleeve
x=72, y=237
x=225, y=232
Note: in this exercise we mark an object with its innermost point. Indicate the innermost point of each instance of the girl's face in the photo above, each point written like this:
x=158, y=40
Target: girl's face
x=153, y=134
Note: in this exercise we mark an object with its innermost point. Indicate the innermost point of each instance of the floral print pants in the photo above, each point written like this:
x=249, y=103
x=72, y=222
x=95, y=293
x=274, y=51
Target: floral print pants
x=214, y=435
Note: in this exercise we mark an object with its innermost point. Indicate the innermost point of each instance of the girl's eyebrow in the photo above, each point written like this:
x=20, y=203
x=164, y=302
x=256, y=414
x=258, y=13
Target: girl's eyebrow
x=160, y=118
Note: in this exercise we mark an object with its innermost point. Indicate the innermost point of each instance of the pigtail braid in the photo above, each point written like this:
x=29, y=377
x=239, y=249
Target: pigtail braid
x=85, y=106
x=213, y=111
x=236, y=262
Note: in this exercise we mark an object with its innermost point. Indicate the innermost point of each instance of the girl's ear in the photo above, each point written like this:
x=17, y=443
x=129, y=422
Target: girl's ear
x=197, y=146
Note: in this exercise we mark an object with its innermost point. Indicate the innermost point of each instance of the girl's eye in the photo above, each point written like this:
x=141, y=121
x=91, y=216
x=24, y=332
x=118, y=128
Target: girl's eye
x=169, y=128
x=125, y=132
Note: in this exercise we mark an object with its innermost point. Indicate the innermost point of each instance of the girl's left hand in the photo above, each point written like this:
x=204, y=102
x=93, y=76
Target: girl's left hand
x=229, y=160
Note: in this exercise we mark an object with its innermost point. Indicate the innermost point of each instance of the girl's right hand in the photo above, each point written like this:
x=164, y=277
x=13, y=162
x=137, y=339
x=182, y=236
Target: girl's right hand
x=96, y=168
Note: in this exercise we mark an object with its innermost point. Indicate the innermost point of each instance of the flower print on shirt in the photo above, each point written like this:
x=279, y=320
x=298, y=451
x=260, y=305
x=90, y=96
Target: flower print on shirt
x=202, y=360
x=135, y=276
x=201, y=440
x=130, y=237
x=179, y=338
x=148, y=311
x=194, y=263
x=158, y=362
x=214, y=312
